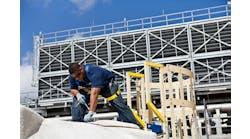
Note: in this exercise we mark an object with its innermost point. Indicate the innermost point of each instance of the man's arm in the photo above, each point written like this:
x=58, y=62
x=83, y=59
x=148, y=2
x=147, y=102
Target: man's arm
x=94, y=98
x=74, y=92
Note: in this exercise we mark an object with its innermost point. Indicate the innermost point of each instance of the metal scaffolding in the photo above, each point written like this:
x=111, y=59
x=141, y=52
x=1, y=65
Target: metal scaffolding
x=199, y=40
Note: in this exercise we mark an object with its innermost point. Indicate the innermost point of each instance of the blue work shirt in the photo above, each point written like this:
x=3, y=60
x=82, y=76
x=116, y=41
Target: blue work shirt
x=95, y=77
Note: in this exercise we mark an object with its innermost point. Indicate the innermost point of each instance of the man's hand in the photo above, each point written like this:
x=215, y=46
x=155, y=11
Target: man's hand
x=89, y=117
x=80, y=98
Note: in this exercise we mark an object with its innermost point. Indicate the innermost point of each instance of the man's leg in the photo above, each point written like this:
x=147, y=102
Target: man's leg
x=77, y=111
x=123, y=110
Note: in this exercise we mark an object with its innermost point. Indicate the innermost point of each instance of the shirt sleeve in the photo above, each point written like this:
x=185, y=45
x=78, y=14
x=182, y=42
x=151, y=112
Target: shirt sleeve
x=72, y=83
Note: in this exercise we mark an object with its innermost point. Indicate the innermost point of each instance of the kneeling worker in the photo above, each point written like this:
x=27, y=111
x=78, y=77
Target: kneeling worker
x=100, y=82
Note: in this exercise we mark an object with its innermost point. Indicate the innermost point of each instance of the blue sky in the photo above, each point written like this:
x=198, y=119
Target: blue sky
x=56, y=15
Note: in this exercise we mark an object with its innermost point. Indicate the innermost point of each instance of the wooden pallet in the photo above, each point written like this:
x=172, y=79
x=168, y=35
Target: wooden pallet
x=177, y=99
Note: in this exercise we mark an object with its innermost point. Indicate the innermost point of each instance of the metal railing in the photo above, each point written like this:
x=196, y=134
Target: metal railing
x=53, y=93
x=199, y=78
x=224, y=123
x=135, y=24
x=28, y=98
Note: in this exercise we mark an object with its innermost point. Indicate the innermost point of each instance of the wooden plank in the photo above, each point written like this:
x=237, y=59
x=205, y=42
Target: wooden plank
x=188, y=91
x=187, y=111
x=192, y=127
x=186, y=81
x=177, y=113
x=184, y=124
x=175, y=84
x=173, y=68
x=181, y=111
x=178, y=109
x=186, y=71
x=177, y=95
x=180, y=129
x=195, y=123
x=128, y=83
x=138, y=99
x=186, y=85
x=157, y=85
x=143, y=101
x=180, y=79
x=163, y=102
x=165, y=70
x=197, y=135
x=183, y=107
x=150, y=116
x=148, y=90
x=190, y=123
x=171, y=105
x=178, y=69
x=192, y=93
x=154, y=85
x=173, y=122
x=170, y=88
x=182, y=103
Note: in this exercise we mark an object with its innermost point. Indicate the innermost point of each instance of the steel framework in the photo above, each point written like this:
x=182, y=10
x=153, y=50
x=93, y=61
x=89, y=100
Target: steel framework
x=199, y=40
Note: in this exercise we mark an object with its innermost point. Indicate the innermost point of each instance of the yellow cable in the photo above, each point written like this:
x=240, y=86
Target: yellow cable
x=155, y=110
x=137, y=75
x=154, y=65
x=138, y=119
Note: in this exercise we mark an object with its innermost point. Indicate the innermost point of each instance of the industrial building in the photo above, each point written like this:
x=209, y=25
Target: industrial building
x=199, y=40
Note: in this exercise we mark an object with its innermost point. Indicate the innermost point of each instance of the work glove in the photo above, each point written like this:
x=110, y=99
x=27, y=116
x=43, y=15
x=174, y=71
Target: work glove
x=81, y=98
x=89, y=117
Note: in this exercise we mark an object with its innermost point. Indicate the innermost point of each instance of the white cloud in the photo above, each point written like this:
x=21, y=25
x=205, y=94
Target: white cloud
x=26, y=78
x=27, y=59
x=83, y=5
x=43, y=3
x=26, y=89
x=75, y=36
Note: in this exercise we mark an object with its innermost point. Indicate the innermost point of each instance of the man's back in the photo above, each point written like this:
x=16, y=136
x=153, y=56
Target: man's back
x=98, y=76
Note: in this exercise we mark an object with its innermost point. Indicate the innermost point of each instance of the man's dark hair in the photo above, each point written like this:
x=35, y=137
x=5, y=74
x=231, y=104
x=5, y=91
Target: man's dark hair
x=73, y=67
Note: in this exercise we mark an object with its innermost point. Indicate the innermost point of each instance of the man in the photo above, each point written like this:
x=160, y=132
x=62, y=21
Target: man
x=99, y=81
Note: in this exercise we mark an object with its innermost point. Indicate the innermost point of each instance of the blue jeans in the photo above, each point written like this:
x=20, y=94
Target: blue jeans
x=125, y=114
x=78, y=110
